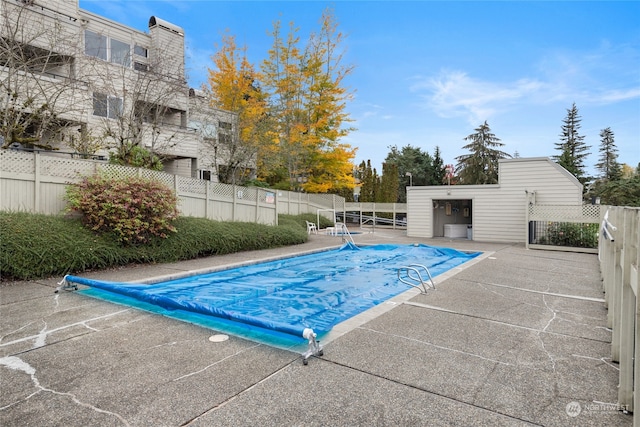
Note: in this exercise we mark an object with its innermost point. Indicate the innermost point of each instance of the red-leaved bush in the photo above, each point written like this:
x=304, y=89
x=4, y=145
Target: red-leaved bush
x=133, y=209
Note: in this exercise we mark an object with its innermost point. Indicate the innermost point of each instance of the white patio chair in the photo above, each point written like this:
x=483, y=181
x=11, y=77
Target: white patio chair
x=311, y=228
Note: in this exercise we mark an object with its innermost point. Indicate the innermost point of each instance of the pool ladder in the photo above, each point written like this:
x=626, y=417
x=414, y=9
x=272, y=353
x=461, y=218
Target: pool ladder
x=342, y=229
x=414, y=278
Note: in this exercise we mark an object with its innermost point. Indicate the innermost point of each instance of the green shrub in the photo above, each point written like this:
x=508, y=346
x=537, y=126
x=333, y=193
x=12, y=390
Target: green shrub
x=572, y=234
x=130, y=154
x=133, y=209
x=299, y=220
x=38, y=246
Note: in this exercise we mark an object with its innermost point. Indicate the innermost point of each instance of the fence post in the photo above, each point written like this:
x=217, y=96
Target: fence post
x=234, y=203
x=527, y=228
x=394, y=216
x=634, y=257
x=207, y=187
x=257, y=204
x=616, y=297
x=627, y=314
x=36, y=182
x=275, y=206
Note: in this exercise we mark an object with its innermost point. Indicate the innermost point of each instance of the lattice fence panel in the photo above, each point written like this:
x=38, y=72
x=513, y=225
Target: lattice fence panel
x=221, y=190
x=62, y=167
x=191, y=185
x=163, y=177
x=117, y=171
x=247, y=193
x=565, y=213
x=266, y=196
x=321, y=199
x=574, y=226
x=16, y=162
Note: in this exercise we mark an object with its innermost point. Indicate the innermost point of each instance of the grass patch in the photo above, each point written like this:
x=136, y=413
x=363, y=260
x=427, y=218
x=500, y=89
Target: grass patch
x=35, y=246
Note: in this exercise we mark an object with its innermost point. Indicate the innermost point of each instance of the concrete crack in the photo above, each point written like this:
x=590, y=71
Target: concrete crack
x=41, y=338
x=539, y=334
x=51, y=331
x=15, y=331
x=17, y=364
x=601, y=359
x=215, y=363
x=440, y=347
x=482, y=285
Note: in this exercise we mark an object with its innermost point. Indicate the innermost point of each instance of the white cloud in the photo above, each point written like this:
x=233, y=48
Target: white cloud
x=604, y=75
x=456, y=94
x=616, y=95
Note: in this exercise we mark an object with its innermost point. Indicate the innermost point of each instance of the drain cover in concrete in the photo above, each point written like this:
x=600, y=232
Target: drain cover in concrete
x=218, y=338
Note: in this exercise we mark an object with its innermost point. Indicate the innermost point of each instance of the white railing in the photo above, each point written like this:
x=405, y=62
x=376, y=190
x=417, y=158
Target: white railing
x=368, y=213
x=619, y=260
x=35, y=182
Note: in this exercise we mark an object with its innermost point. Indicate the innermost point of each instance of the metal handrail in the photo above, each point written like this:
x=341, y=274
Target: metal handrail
x=419, y=279
x=344, y=233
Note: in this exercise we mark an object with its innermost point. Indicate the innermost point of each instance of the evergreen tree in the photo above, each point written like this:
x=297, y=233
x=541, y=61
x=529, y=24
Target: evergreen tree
x=480, y=166
x=438, y=173
x=389, y=184
x=608, y=164
x=368, y=182
x=410, y=160
x=572, y=147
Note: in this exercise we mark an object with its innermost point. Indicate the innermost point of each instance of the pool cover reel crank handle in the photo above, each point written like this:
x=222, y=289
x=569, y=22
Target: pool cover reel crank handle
x=314, y=349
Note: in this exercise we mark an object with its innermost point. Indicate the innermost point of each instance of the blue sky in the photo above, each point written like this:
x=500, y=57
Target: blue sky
x=428, y=73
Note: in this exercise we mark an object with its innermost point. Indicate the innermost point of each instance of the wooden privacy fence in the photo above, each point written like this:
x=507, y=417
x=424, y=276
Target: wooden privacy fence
x=619, y=260
x=35, y=182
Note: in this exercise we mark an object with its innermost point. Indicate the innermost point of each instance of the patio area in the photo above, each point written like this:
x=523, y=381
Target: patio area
x=517, y=337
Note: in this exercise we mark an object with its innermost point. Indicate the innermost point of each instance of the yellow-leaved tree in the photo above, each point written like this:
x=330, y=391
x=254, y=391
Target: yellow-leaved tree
x=234, y=86
x=308, y=109
x=292, y=114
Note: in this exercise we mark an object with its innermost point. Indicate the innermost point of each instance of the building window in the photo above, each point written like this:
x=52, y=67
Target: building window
x=140, y=51
x=204, y=174
x=224, y=138
x=107, y=106
x=100, y=105
x=95, y=45
x=139, y=66
x=120, y=53
x=224, y=125
x=108, y=49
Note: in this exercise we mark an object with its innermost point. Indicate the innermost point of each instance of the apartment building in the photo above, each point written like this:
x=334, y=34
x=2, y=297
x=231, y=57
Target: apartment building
x=75, y=82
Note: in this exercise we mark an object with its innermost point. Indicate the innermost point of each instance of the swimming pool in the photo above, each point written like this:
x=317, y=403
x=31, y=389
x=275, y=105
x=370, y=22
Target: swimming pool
x=285, y=296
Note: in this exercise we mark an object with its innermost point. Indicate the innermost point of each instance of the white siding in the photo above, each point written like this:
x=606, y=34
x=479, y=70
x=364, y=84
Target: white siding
x=551, y=183
x=58, y=27
x=419, y=213
x=498, y=211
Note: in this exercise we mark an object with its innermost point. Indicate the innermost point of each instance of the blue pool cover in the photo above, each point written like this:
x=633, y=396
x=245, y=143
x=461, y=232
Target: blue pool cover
x=288, y=295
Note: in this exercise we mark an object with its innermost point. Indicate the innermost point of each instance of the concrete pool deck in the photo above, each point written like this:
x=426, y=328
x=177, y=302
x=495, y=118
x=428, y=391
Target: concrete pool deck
x=514, y=338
